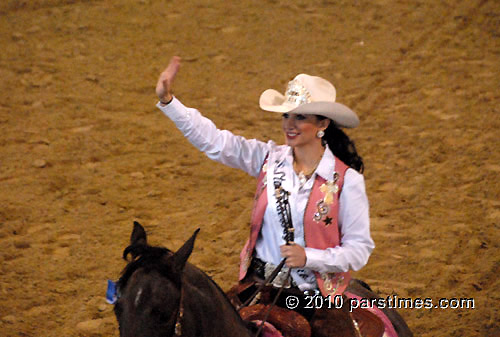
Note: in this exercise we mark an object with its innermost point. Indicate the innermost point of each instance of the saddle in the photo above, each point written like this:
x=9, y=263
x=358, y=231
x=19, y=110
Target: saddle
x=288, y=322
x=323, y=322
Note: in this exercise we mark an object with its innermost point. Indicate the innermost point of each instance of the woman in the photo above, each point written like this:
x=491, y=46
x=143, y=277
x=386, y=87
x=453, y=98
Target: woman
x=318, y=171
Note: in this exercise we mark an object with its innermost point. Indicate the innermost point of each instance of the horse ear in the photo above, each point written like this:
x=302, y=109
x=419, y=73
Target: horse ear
x=181, y=256
x=138, y=236
x=138, y=241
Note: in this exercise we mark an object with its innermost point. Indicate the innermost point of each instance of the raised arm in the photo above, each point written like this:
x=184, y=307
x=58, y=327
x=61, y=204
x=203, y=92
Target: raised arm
x=219, y=145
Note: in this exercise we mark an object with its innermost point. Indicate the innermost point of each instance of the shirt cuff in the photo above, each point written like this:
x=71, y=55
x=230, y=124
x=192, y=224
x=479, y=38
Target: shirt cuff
x=175, y=110
x=315, y=260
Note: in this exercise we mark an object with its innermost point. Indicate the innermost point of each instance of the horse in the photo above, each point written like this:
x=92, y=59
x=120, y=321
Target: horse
x=160, y=294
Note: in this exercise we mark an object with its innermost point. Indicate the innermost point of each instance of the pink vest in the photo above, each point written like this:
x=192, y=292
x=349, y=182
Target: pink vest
x=321, y=228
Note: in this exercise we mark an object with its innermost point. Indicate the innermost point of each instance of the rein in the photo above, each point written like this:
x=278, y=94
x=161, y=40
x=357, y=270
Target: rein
x=266, y=316
x=269, y=279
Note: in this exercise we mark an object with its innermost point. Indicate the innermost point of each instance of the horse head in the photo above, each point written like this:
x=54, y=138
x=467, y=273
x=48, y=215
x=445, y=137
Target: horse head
x=150, y=288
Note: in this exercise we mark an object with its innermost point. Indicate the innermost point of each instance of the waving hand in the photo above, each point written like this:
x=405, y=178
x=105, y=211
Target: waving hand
x=166, y=80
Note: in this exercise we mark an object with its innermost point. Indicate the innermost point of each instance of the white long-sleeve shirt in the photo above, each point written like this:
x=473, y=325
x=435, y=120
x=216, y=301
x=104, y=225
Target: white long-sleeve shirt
x=248, y=155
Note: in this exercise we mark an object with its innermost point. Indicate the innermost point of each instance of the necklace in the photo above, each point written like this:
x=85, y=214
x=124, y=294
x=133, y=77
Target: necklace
x=304, y=176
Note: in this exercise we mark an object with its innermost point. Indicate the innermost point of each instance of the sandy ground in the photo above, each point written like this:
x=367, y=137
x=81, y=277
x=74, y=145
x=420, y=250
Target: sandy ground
x=84, y=151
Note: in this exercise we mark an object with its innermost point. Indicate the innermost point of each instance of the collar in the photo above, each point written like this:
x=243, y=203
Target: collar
x=289, y=156
x=326, y=166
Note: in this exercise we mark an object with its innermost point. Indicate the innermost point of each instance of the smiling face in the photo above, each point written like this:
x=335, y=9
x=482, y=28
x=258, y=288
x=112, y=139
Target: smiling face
x=300, y=130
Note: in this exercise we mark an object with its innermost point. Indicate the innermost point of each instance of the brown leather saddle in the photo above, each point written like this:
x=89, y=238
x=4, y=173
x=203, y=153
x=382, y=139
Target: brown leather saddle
x=324, y=322
x=288, y=322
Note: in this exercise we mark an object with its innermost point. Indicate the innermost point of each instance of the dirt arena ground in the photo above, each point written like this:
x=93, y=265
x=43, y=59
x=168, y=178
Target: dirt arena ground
x=84, y=152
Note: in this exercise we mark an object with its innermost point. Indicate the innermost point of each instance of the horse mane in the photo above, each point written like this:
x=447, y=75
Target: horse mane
x=143, y=256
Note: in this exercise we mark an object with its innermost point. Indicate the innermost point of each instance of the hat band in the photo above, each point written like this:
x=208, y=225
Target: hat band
x=297, y=94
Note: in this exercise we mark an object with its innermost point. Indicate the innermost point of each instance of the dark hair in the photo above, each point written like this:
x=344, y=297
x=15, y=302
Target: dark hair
x=342, y=146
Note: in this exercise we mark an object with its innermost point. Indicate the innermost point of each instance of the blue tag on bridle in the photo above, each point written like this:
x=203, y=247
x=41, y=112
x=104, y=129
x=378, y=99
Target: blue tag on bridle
x=111, y=295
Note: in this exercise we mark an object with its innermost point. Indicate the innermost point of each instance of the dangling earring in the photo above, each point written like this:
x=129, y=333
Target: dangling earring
x=320, y=134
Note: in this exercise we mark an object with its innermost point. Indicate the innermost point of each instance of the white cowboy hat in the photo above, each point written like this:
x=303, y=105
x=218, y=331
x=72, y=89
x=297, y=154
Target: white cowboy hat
x=310, y=95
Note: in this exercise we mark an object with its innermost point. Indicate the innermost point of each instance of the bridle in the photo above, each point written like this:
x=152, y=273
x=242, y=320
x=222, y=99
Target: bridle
x=179, y=315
